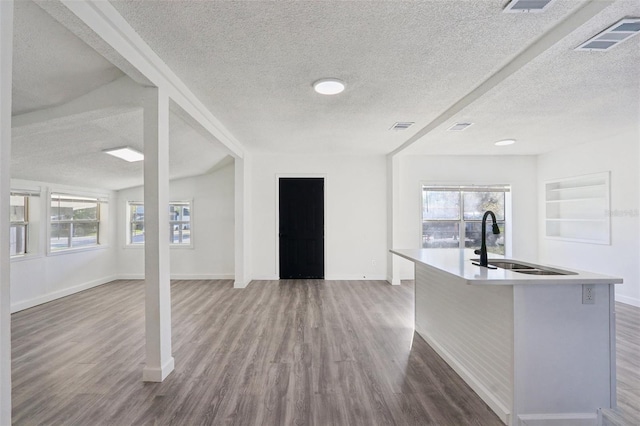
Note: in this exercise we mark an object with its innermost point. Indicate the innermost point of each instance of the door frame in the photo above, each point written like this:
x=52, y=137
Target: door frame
x=277, y=221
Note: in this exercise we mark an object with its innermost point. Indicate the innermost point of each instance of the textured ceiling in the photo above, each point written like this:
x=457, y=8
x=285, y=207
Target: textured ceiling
x=562, y=98
x=72, y=154
x=50, y=65
x=54, y=69
x=252, y=64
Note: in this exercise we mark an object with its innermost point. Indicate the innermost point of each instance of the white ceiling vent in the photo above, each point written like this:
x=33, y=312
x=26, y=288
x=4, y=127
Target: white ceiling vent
x=401, y=125
x=519, y=6
x=612, y=36
x=458, y=127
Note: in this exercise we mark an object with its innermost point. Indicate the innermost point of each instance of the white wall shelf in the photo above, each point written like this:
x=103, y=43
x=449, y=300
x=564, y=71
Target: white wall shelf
x=576, y=209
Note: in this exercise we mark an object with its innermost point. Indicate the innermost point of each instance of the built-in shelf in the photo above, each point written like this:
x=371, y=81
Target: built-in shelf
x=577, y=209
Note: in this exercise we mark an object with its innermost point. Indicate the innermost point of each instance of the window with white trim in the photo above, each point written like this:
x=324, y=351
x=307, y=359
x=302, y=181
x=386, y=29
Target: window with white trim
x=19, y=218
x=179, y=223
x=75, y=222
x=453, y=214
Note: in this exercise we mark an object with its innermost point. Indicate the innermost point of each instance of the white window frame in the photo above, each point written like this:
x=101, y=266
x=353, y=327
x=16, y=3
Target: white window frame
x=129, y=224
x=99, y=200
x=506, y=188
x=22, y=224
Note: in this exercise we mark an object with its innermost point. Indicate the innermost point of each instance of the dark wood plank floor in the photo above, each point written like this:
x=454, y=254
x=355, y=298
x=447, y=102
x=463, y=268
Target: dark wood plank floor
x=277, y=353
x=628, y=368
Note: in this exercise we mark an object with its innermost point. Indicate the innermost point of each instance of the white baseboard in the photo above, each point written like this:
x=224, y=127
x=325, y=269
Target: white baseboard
x=564, y=419
x=158, y=374
x=628, y=300
x=330, y=278
x=202, y=277
x=30, y=303
x=266, y=278
x=26, y=304
x=353, y=277
x=241, y=284
x=181, y=277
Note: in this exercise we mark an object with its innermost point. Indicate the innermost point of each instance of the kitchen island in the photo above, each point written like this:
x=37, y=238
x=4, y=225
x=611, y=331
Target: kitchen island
x=525, y=343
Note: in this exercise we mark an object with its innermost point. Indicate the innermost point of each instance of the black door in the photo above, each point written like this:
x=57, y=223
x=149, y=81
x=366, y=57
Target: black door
x=301, y=228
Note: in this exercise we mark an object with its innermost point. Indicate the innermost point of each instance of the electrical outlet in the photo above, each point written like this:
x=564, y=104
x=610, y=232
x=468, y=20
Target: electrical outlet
x=588, y=294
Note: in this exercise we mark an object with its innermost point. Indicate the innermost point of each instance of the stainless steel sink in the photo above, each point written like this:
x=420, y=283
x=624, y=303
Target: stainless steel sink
x=509, y=265
x=542, y=272
x=526, y=268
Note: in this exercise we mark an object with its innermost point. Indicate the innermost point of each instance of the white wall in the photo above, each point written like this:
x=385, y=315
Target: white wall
x=37, y=277
x=212, y=253
x=517, y=171
x=620, y=258
x=355, y=212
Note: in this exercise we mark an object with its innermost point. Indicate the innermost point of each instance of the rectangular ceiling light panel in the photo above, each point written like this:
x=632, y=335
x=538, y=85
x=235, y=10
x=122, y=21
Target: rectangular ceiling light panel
x=519, y=6
x=125, y=153
x=612, y=36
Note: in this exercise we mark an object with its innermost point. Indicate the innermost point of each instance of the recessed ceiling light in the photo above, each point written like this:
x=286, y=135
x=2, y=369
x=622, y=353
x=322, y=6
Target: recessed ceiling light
x=328, y=86
x=125, y=153
x=505, y=142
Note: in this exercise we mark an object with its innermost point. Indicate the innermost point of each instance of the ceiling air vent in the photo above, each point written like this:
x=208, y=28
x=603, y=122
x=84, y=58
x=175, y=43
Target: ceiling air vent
x=401, y=125
x=518, y=6
x=612, y=36
x=458, y=127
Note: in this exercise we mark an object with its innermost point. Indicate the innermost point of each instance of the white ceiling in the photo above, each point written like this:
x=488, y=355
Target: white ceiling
x=252, y=64
x=562, y=98
x=51, y=66
x=53, y=69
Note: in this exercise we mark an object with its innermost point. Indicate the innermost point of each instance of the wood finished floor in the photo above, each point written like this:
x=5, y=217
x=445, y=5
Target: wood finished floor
x=304, y=352
x=628, y=368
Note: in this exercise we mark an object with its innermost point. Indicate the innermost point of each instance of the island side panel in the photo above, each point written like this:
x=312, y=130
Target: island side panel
x=471, y=328
x=564, y=358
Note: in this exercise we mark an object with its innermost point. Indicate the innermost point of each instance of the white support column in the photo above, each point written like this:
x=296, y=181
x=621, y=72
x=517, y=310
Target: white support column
x=6, y=48
x=242, y=168
x=393, y=203
x=159, y=362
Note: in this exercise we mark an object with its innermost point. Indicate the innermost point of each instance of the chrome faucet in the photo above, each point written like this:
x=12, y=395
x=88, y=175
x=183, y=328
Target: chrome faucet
x=483, y=248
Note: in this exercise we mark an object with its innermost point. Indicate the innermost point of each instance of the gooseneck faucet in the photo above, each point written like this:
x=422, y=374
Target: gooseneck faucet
x=483, y=248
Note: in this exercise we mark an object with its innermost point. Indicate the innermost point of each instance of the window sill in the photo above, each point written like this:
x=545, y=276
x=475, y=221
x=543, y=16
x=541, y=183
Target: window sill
x=26, y=257
x=76, y=250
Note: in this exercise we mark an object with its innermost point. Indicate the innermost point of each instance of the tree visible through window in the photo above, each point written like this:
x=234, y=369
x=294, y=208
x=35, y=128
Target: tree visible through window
x=453, y=215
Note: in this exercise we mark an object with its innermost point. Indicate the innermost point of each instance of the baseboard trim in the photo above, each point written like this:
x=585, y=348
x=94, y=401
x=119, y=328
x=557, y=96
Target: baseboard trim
x=26, y=304
x=241, y=284
x=267, y=278
x=562, y=419
x=181, y=277
x=628, y=300
x=331, y=278
x=158, y=374
x=203, y=277
x=503, y=412
x=353, y=277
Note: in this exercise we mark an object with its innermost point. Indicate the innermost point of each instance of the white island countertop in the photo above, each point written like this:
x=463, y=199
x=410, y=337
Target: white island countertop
x=457, y=262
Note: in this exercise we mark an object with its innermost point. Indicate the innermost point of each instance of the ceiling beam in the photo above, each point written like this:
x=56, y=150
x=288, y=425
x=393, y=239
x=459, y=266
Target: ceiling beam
x=105, y=21
x=541, y=45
